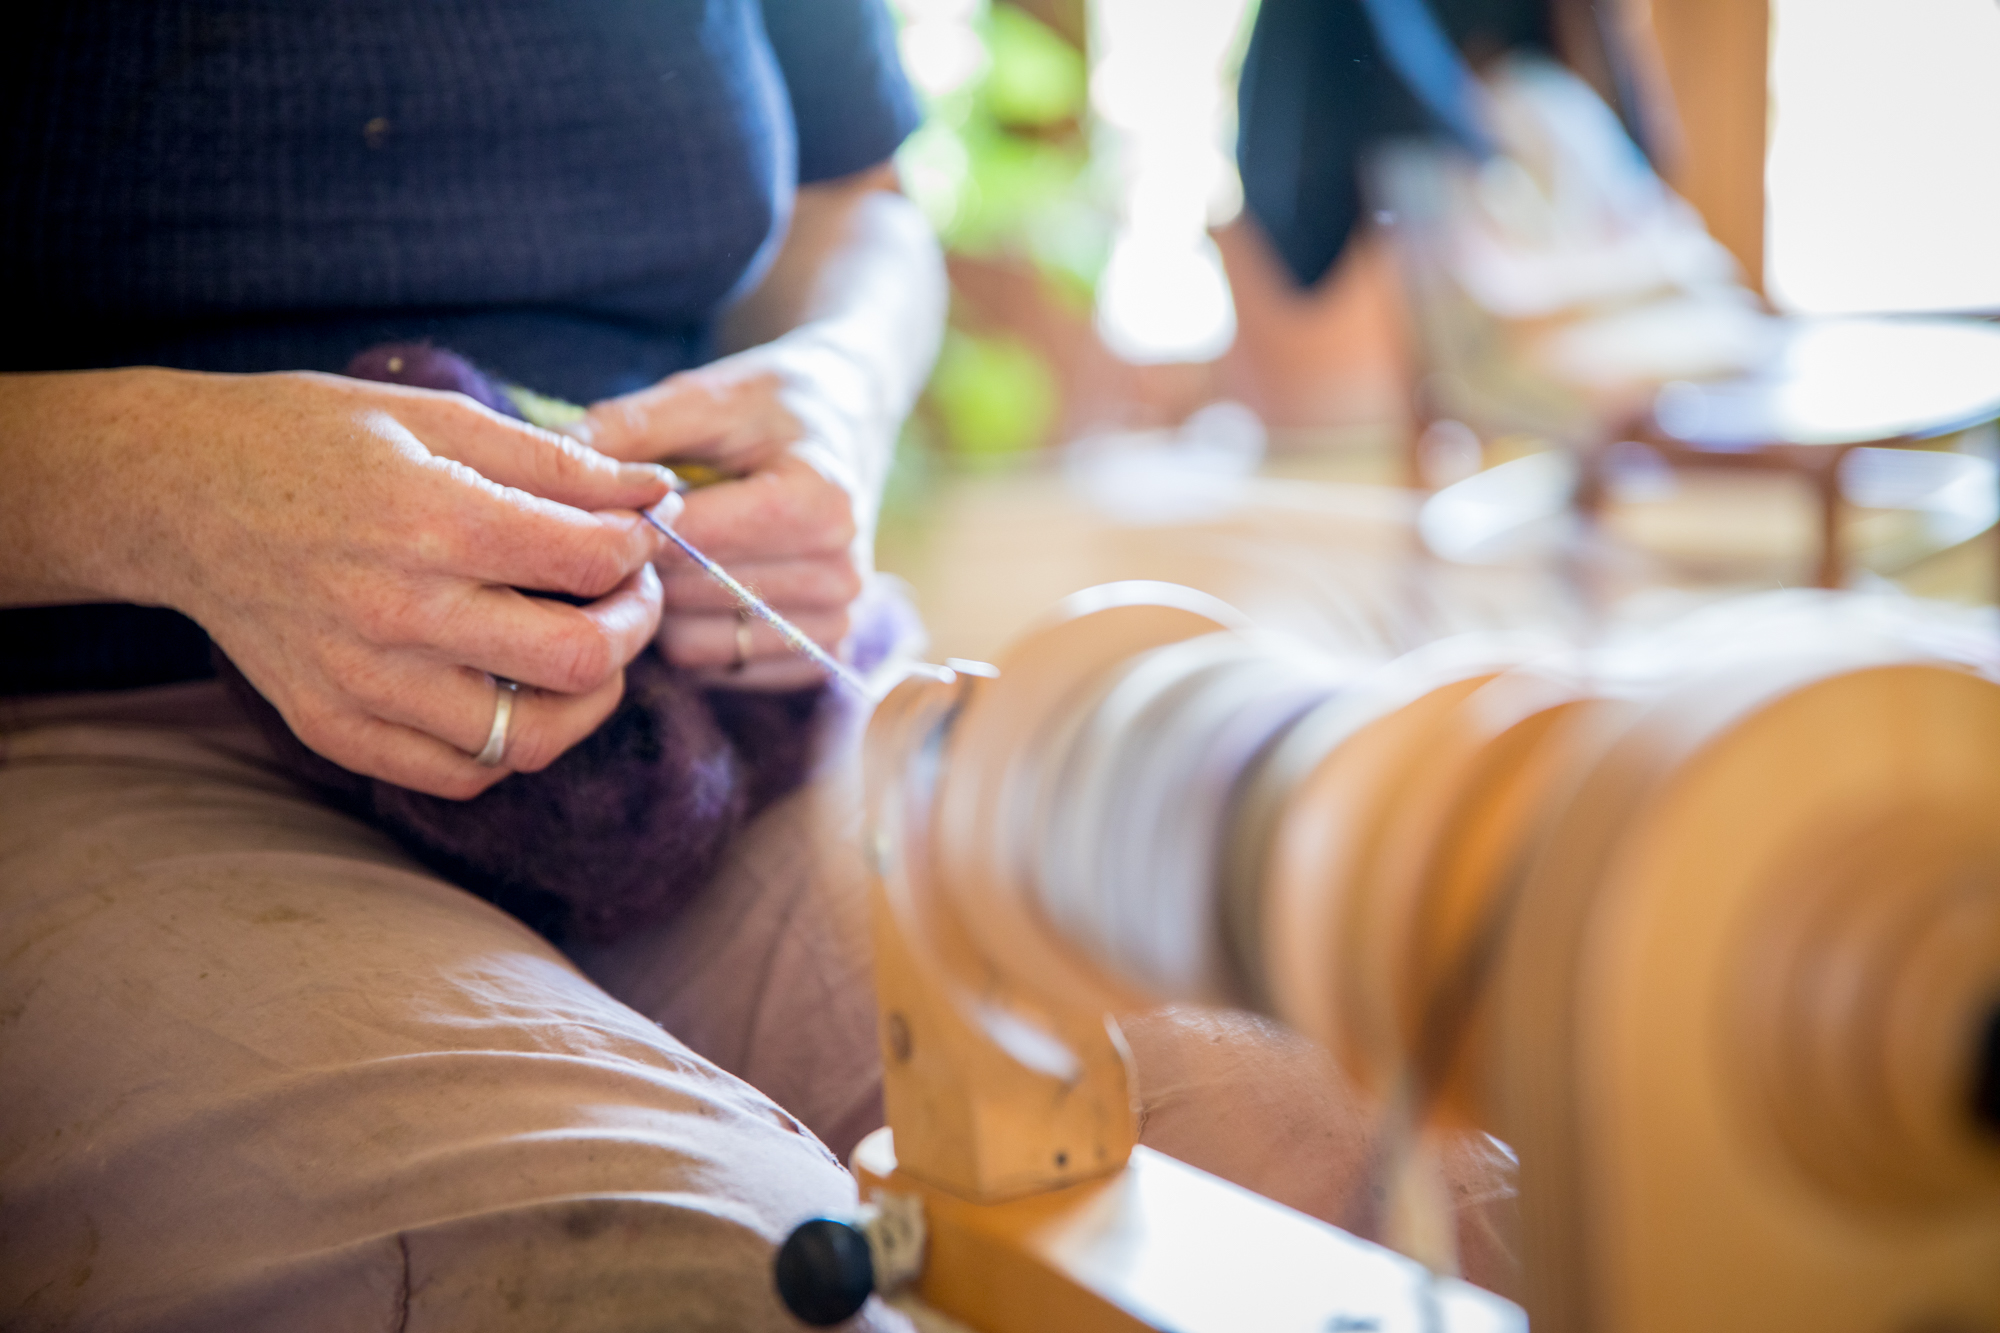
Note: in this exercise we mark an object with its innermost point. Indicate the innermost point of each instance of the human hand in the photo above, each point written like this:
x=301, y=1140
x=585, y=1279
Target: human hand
x=786, y=524
x=356, y=549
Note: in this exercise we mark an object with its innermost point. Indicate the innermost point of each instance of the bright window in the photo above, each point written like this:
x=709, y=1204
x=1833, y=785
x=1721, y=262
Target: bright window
x=1884, y=175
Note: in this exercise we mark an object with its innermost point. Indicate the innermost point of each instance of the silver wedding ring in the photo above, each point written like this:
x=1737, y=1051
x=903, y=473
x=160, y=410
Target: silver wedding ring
x=742, y=658
x=503, y=713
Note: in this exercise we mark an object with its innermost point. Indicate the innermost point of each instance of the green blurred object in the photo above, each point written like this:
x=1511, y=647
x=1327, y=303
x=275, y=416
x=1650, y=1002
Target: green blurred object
x=994, y=396
x=1037, y=79
x=1001, y=167
x=538, y=409
x=1013, y=179
x=1000, y=163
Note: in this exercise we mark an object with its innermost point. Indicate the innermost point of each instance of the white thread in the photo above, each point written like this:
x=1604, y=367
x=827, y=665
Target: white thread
x=1133, y=812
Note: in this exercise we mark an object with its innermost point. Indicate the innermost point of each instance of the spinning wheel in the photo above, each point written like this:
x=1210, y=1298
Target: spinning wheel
x=1718, y=951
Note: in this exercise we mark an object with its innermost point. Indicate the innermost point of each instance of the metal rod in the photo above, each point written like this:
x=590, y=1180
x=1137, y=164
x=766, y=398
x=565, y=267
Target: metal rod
x=794, y=637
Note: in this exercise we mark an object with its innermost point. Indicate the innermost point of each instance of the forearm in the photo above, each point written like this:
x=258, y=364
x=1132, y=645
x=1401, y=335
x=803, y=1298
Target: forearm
x=67, y=455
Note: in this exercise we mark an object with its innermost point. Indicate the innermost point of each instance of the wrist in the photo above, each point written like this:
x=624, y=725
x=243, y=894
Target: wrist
x=69, y=440
x=849, y=417
x=845, y=433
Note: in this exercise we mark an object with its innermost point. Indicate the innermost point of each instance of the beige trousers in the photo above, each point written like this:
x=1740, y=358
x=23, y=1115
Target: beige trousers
x=258, y=1070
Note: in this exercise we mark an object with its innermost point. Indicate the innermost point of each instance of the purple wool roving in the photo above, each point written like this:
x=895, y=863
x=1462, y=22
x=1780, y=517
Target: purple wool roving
x=422, y=366
x=624, y=826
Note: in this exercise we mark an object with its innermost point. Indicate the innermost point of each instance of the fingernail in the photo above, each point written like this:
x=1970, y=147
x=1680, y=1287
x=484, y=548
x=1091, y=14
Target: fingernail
x=649, y=582
x=669, y=509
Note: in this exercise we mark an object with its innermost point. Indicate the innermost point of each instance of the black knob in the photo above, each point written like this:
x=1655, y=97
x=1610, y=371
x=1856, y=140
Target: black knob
x=824, y=1271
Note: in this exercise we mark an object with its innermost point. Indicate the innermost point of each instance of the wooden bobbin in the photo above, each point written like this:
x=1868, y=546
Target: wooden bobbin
x=1390, y=861
x=1714, y=953
x=995, y=761
x=1006, y=1081
x=1739, y=1008
x=1003, y=1074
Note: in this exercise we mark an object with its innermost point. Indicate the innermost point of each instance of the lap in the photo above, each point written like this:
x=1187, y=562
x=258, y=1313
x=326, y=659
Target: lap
x=767, y=972
x=264, y=1071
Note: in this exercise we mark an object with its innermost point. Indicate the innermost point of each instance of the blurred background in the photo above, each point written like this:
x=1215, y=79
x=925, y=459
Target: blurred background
x=1134, y=384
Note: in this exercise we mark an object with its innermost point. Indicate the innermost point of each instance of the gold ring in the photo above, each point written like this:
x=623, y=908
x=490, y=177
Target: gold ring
x=503, y=713
x=742, y=658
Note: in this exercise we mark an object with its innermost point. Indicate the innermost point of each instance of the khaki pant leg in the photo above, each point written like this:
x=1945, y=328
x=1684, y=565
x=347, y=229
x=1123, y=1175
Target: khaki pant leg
x=258, y=1071
x=1247, y=1099
x=767, y=972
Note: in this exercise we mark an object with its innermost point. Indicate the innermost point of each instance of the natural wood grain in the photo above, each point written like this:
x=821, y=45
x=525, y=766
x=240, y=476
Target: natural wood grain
x=1716, y=56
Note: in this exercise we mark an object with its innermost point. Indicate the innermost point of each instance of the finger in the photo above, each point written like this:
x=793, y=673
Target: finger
x=527, y=458
x=548, y=644
x=710, y=414
x=699, y=640
x=459, y=706
x=785, y=510
x=450, y=519
x=516, y=539
x=791, y=586
x=374, y=747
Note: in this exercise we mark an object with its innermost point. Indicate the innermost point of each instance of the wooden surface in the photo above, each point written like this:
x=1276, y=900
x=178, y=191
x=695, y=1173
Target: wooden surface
x=1709, y=931
x=992, y=765
x=1837, y=382
x=1703, y=987
x=1161, y=1246
x=1002, y=1070
x=996, y=1095
x=1716, y=55
x=1832, y=386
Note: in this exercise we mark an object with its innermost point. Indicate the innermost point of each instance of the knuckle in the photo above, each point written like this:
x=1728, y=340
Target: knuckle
x=394, y=620
x=374, y=619
x=321, y=728
x=615, y=428
x=567, y=458
x=786, y=505
x=844, y=582
x=595, y=568
x=458, y=410
x=532, y=753
x=344, y=668
x=830, y=515
x=584, y=658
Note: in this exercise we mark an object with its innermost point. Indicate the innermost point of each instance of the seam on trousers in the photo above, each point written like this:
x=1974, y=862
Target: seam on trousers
x=403, y=1287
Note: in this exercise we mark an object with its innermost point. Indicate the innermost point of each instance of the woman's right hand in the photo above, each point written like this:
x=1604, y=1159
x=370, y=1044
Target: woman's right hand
x=355, y=548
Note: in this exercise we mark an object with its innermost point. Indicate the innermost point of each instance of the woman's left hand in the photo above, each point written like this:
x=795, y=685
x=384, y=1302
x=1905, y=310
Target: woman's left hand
x=785, y=524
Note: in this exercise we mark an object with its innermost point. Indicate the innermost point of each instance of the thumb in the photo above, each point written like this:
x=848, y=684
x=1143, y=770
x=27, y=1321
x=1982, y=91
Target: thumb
x=678, y=415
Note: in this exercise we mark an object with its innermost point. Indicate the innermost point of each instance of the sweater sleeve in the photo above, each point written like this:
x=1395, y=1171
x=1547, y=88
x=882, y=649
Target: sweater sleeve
x=851, y=103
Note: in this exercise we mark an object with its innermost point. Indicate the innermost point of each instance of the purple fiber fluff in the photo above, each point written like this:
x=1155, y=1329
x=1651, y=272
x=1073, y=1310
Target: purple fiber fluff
x=628, y=823
x=620, y=830
x=884, y=622
x=422, y=366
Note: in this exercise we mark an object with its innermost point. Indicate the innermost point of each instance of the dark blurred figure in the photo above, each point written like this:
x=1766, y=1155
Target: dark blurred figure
x=1323, y=84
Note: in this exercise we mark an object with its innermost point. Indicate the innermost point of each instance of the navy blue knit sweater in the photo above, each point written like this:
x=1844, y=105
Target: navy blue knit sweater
x=566, y=191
